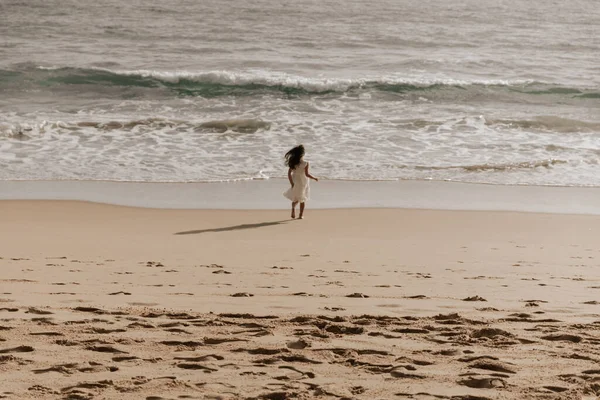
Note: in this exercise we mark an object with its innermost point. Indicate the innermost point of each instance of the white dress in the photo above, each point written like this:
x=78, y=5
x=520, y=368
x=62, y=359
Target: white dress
x=301, y=190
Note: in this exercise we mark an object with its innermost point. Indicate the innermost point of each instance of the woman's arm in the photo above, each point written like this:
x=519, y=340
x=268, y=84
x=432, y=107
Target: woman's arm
x=290, y=177
x=309, y=175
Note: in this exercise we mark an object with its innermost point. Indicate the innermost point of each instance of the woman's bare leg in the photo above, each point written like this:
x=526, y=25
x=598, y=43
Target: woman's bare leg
x=301, y=211
x=294, y=209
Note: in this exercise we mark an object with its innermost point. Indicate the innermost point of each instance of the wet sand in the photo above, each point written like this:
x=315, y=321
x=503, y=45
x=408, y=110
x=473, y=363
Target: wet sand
x=326, y=194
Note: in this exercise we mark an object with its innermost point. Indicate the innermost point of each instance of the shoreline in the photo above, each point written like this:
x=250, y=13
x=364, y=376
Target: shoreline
x=267, y=195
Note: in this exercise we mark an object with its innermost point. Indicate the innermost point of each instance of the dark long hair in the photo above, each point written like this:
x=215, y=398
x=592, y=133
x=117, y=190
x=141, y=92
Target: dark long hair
x=292, y=157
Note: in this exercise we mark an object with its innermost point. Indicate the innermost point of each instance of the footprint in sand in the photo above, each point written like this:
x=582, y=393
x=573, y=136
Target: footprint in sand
x=334, y=309
x=70, y=368
x=556, y=389
x=490, y=333
x=483, y=383
x=495, y=366
x=418, y=296
x=298, y=344
x=47, y=334
x=178, y=330
x=357, y=296
x=105, y=349
x=40, y=390
x=18, y=349
x=207, y=357
x=73, y=392
x=344, y=330
x=411, y=330
x=195, y=366
x=211, y=266
x=474, y=298
x=125, y=358
x=154, y=264
x=563, y=338
x=396, y=373
x=105, y=331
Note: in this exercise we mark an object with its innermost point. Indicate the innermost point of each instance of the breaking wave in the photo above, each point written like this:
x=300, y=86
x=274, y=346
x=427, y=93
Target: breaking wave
x=231, y=83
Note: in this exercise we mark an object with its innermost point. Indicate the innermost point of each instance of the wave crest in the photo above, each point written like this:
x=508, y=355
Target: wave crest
x=252, y=82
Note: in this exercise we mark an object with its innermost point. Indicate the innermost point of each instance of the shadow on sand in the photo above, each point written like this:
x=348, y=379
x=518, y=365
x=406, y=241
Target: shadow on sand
x=233, y=228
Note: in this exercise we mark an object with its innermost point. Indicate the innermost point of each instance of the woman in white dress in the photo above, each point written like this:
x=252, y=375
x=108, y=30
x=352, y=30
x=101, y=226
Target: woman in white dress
x=299, y=178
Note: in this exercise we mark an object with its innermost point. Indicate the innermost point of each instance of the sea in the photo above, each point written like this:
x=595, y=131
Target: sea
x=503, y=92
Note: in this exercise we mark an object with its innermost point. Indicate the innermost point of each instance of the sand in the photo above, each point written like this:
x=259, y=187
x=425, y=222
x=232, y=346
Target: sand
x=110, y=302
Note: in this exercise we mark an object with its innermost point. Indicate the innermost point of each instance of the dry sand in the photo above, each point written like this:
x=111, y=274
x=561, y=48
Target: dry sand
x=107, y=302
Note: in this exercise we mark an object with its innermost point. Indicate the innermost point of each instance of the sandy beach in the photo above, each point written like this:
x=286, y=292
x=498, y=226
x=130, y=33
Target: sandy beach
x=450, y=246
x=110, y=302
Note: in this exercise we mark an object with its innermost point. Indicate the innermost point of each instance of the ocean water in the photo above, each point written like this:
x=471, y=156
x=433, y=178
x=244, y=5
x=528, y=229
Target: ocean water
x=499, y=92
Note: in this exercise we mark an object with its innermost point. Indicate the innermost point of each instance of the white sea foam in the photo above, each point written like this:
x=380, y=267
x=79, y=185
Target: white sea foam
x=472, y=149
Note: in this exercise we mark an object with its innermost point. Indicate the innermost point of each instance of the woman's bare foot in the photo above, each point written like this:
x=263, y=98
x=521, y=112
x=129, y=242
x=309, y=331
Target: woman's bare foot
x=294, y=209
